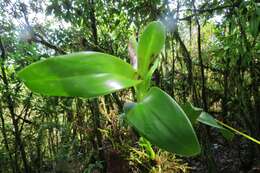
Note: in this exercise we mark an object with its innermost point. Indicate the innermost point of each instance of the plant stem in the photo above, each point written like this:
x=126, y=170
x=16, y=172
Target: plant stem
x=238, y=132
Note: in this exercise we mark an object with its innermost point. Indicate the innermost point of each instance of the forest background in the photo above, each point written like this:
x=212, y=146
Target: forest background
x=210, y=58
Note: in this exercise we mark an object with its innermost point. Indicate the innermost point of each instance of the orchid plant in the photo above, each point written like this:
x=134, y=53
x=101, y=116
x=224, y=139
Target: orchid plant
x=155, y=114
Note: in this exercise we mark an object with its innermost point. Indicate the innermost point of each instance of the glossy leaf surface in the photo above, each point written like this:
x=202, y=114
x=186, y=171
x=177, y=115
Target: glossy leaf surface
x=207, y=119
x=150, y=44
x=84, y=74
x=162, y=121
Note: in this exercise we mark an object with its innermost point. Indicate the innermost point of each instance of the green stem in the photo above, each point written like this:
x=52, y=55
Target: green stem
x=238, y=132
x=141, y=91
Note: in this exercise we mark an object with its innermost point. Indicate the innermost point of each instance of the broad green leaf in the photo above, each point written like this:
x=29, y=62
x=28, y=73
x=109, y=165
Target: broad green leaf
x=83, y=74
x=207, y=119
x=150, y=44
x=191, y=111
x=162, y=121
x=196, y=114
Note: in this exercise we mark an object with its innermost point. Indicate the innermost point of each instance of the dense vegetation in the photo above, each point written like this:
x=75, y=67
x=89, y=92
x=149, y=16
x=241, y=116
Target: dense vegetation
x=210, y=59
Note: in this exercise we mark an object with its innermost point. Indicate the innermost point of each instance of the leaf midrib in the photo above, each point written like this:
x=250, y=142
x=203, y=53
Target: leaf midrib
x=75, y=76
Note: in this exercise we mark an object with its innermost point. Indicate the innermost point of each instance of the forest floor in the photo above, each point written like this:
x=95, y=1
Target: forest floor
x=229, y=156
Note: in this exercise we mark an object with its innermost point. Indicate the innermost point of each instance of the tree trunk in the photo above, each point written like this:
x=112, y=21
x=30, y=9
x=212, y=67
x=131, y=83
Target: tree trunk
x=14, y=164
x=206, y=139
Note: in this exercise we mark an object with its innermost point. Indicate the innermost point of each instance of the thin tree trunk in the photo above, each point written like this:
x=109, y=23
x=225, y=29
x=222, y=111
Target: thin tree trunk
x=10, y=104
x=15, y=166
x=187, y=59
x=226, y=77
x=206, y=139
x=185, y=53
x=203, y=80
x=173, y=67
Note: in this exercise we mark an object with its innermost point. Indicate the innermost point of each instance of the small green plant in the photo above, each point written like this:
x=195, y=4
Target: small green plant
x=155, y=115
